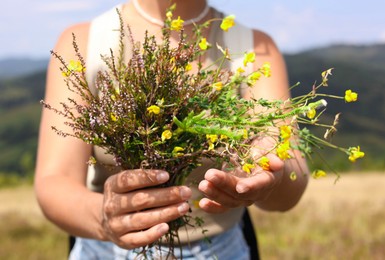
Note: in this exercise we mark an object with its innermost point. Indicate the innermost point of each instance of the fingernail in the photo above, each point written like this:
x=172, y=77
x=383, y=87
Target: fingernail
x=162, y=176
x=163, y=228
x=241, y=188
x=183, y=208
x=185, y=193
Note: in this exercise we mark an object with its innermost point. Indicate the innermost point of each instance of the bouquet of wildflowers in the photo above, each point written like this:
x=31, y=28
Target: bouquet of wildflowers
x=154, y=112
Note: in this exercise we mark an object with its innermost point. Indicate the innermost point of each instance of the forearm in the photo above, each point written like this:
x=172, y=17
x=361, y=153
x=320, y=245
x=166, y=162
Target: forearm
x=70, y=205
x=289, y=191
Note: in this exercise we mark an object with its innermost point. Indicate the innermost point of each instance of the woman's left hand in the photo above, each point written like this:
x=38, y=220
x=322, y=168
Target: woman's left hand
x=224, y=190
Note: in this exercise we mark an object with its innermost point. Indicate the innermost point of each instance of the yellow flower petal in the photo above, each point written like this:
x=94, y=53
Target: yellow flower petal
x=166, y=135
x=311, y=113
x=203, y=44
x=355, y=153
x=228, y=22
x=264, y=163
x=249, y=57
x=188, y=67
x=212, y=138
x=218, y=86
x=154, y=109
x=113, y=117
x=253, y=78
x=350, y=96
x=283, y=150
x=245, y=134
x=285, y=132
x=73, y=66
x=177, y=151
x=266, y=69
x=247, y=167
x=176, y=24
x=318, y=174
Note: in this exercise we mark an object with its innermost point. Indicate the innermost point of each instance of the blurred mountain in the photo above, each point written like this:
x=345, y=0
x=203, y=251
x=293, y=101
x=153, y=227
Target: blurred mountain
x=13, y=67
x=360, y=68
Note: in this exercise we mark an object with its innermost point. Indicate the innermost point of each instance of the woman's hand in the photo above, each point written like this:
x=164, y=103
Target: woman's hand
x=136, y=215
x=224, y=190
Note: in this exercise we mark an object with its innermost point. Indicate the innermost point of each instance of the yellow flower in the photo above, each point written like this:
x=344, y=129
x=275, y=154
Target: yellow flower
x=117, y=90
x=154, y=109
x=177, y=151
x=212, y=138
x=248, y=58
x=223, y=137
x=203, y=44
x=172, y=61
x=285, y=132
x=218, y=86
x=253, y=78
x=113, y=117
x=247, y=167
x=318, y=174
x=311, y=113
x=166, y=135
x=176, y=24
x=283, y=150
x=350, y=96
x=188, y=67
x=264, y=163
x=245, y=134
x=73, y=66
x=266, y=69
x=240, y=70
x=169, y=15
x=228, y=22
x=355, y=153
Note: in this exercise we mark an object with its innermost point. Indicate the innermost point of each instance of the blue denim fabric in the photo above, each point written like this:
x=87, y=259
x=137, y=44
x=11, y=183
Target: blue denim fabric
x=229, y=245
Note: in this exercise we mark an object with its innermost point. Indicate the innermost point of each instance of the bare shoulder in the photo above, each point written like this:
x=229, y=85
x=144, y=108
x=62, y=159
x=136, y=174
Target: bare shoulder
x=64, y=44
x=64, y=48
x=264, y=44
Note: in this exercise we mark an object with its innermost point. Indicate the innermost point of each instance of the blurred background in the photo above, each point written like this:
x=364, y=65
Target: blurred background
x=342, y=219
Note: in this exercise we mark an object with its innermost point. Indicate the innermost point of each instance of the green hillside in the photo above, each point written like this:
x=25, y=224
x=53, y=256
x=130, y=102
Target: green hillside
x=360, y=68
x=20, y=115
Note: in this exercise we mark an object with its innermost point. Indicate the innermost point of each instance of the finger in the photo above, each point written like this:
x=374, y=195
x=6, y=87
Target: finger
x=130, y=180
x=146, y=219
x=219, y=178
x=275, y=163
x=142, y=238
x=224, y=181
x=262, y=181
x=221, y=197
x=153, y=198
x=211, y=206
x=146, y=199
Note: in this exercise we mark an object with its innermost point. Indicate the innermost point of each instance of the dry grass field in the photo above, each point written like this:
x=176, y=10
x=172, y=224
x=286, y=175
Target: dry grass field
x=345, y=220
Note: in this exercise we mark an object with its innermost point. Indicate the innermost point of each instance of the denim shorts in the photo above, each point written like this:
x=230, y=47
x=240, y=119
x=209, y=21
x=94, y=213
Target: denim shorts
x=228, y=245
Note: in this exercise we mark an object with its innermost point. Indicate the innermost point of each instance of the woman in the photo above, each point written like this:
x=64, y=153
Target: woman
x=107, y=217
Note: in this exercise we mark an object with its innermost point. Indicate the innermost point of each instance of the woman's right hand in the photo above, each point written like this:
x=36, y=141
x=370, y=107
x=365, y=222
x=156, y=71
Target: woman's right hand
x=135, y=215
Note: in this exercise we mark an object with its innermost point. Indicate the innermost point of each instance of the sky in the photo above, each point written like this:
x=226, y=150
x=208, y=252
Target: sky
x=30, y=28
